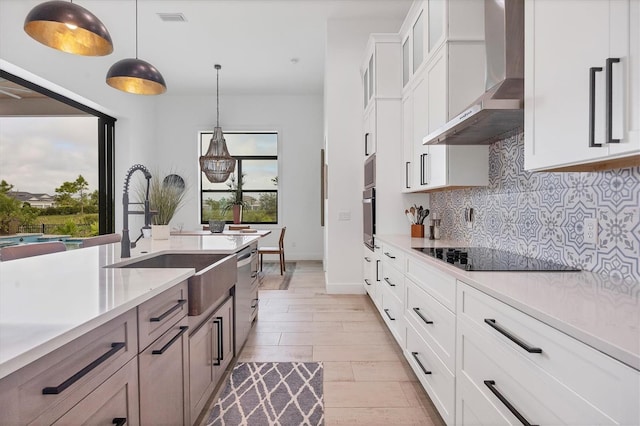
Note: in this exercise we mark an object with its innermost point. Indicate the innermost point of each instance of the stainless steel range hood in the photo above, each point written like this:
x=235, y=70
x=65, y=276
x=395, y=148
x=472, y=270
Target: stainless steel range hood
x=500, y=110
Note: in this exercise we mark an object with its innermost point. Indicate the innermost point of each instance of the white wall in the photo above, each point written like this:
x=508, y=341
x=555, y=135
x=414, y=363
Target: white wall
x=343, y=97
x=298, y=120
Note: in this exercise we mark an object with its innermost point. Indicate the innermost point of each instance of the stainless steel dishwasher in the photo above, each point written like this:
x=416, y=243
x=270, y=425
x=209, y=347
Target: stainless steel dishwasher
x=246, y=293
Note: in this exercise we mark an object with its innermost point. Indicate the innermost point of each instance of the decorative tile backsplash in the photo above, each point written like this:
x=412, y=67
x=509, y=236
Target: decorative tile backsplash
x=542, y=214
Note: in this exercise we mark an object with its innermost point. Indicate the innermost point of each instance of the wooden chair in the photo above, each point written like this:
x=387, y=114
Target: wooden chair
x=29, y=250
x=100, y=239
x=275, y=250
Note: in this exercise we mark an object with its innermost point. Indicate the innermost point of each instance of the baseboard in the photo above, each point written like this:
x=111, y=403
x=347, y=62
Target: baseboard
x=350, y=288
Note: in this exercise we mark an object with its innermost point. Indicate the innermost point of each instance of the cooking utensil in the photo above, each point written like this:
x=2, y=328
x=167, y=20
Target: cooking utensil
x=411, y=218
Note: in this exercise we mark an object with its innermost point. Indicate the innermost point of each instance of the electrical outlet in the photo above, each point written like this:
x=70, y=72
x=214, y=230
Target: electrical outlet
x=590, y=231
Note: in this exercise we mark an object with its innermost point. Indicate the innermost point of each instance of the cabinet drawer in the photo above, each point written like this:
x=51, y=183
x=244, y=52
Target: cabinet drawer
x=605, y=383
x=157, y=315
x=392, y=280
x=68, y=374
x=517, y=387
x=113, y=402
x=438, y=284
x=164, y=378
x=393, y=256
x=434, y=376
x=393, y=316
x=435, y=323
x=255, y=301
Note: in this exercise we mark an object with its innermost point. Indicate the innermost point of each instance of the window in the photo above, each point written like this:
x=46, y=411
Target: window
x=257, y=156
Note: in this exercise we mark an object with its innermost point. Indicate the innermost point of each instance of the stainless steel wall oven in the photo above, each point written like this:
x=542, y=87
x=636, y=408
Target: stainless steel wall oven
x=369, y=216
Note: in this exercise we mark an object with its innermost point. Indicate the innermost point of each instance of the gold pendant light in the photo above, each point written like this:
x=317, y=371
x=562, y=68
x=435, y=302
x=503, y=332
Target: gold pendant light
x=133, y=75
x=68, y=27
x=217, y=164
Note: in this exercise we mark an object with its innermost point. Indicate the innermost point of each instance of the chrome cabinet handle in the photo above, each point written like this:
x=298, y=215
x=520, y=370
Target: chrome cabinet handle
x=415, y=356
x=422, y=317
x=386, y=311
x=491, y=385
x=166, y=314
x=389, y=282
x=162, y=350
x=55, y=390
x=592, y=107
x=518, y=341
x=609, y=99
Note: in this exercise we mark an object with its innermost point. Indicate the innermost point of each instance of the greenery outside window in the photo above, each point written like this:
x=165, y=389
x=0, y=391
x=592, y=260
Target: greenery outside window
x=257, y=162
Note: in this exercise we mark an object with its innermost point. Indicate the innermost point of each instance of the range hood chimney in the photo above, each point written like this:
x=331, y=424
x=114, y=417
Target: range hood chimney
x=500, y=110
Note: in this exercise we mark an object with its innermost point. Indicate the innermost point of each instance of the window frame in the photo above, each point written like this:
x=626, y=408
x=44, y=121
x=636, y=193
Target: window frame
x=106, y=151
x=238, y=172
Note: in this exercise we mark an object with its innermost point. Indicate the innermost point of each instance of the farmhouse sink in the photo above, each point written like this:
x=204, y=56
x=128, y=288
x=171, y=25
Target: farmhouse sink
x=215, y=274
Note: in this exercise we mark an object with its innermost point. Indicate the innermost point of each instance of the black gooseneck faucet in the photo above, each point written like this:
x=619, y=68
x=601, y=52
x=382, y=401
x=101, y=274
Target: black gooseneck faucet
x=126, y=243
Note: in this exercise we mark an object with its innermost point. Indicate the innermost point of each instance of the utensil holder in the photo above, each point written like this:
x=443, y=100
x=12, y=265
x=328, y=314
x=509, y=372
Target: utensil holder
x=417, y=231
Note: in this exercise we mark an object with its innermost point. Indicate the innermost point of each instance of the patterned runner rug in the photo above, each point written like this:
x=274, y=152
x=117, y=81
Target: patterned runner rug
x=270, y=278
x=271, y=393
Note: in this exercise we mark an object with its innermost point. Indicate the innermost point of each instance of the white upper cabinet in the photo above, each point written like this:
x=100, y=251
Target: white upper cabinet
x=443, y=73
x=381, y=79
x=582, y=78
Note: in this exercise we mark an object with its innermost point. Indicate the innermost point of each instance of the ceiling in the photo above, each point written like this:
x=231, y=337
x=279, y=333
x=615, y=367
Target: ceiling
x=264, y=46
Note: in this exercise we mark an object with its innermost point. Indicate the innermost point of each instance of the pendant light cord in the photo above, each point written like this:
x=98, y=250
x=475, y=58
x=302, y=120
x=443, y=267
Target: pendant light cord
x=217, y=97
x=136, y=29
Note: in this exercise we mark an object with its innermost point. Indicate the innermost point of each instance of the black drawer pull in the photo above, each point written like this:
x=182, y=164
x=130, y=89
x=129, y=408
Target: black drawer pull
x=377, y=270
x=389, y=282
x=220, y=356
x=386, y=311
x=406, y=175
x=115, y=347
x=491, y=385
x=367, y=259
x=388, y=255
x=609, y=99
x=166, y=314
x=254, y=274
x=422, y=317
x=366, y=281
x=160, y=351
x=256, y=305
x=592, y=107
x=514, y=339
x=424, y=370
x=119, y=421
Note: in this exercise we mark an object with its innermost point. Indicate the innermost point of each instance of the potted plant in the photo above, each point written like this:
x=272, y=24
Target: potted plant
x=236, y=203
x=165, y=199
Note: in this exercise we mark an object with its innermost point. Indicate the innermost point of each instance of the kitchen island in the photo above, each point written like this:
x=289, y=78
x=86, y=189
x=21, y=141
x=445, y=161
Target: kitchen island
x=50, y=302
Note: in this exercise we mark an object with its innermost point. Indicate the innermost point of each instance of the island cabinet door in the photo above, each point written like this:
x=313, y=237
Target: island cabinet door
x=164, y=378
x=201, y=345
x=115, y=402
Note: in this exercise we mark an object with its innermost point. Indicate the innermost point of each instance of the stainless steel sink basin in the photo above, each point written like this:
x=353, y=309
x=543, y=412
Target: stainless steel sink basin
x=215, y=275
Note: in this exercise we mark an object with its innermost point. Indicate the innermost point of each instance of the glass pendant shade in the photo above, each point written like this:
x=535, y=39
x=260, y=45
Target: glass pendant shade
x=217, y=164
x=136, y=76
x=68, y=27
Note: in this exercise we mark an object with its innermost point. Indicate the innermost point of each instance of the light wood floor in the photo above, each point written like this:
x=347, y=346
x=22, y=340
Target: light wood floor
x=367, y=380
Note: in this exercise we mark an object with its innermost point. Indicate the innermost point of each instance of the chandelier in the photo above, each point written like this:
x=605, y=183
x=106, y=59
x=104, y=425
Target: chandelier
x=217, y=164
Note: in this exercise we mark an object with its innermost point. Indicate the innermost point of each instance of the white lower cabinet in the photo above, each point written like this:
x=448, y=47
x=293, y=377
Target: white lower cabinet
x=432, y=373
x=368, y=273
x=513, y=367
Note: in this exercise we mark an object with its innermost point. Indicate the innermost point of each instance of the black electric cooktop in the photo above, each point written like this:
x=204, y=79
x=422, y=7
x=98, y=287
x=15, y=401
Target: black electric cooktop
x=488, y=259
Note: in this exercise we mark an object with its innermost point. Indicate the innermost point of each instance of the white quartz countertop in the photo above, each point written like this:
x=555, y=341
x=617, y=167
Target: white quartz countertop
x=253, y=232
x=47, y=301
x=597, y=310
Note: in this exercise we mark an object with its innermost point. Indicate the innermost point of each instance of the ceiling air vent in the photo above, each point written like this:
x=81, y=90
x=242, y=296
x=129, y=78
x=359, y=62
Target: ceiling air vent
x=172, y=17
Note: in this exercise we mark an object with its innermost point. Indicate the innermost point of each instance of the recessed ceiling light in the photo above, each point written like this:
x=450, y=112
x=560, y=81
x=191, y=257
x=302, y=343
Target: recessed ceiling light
x=172, y=17
x=295, y=60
